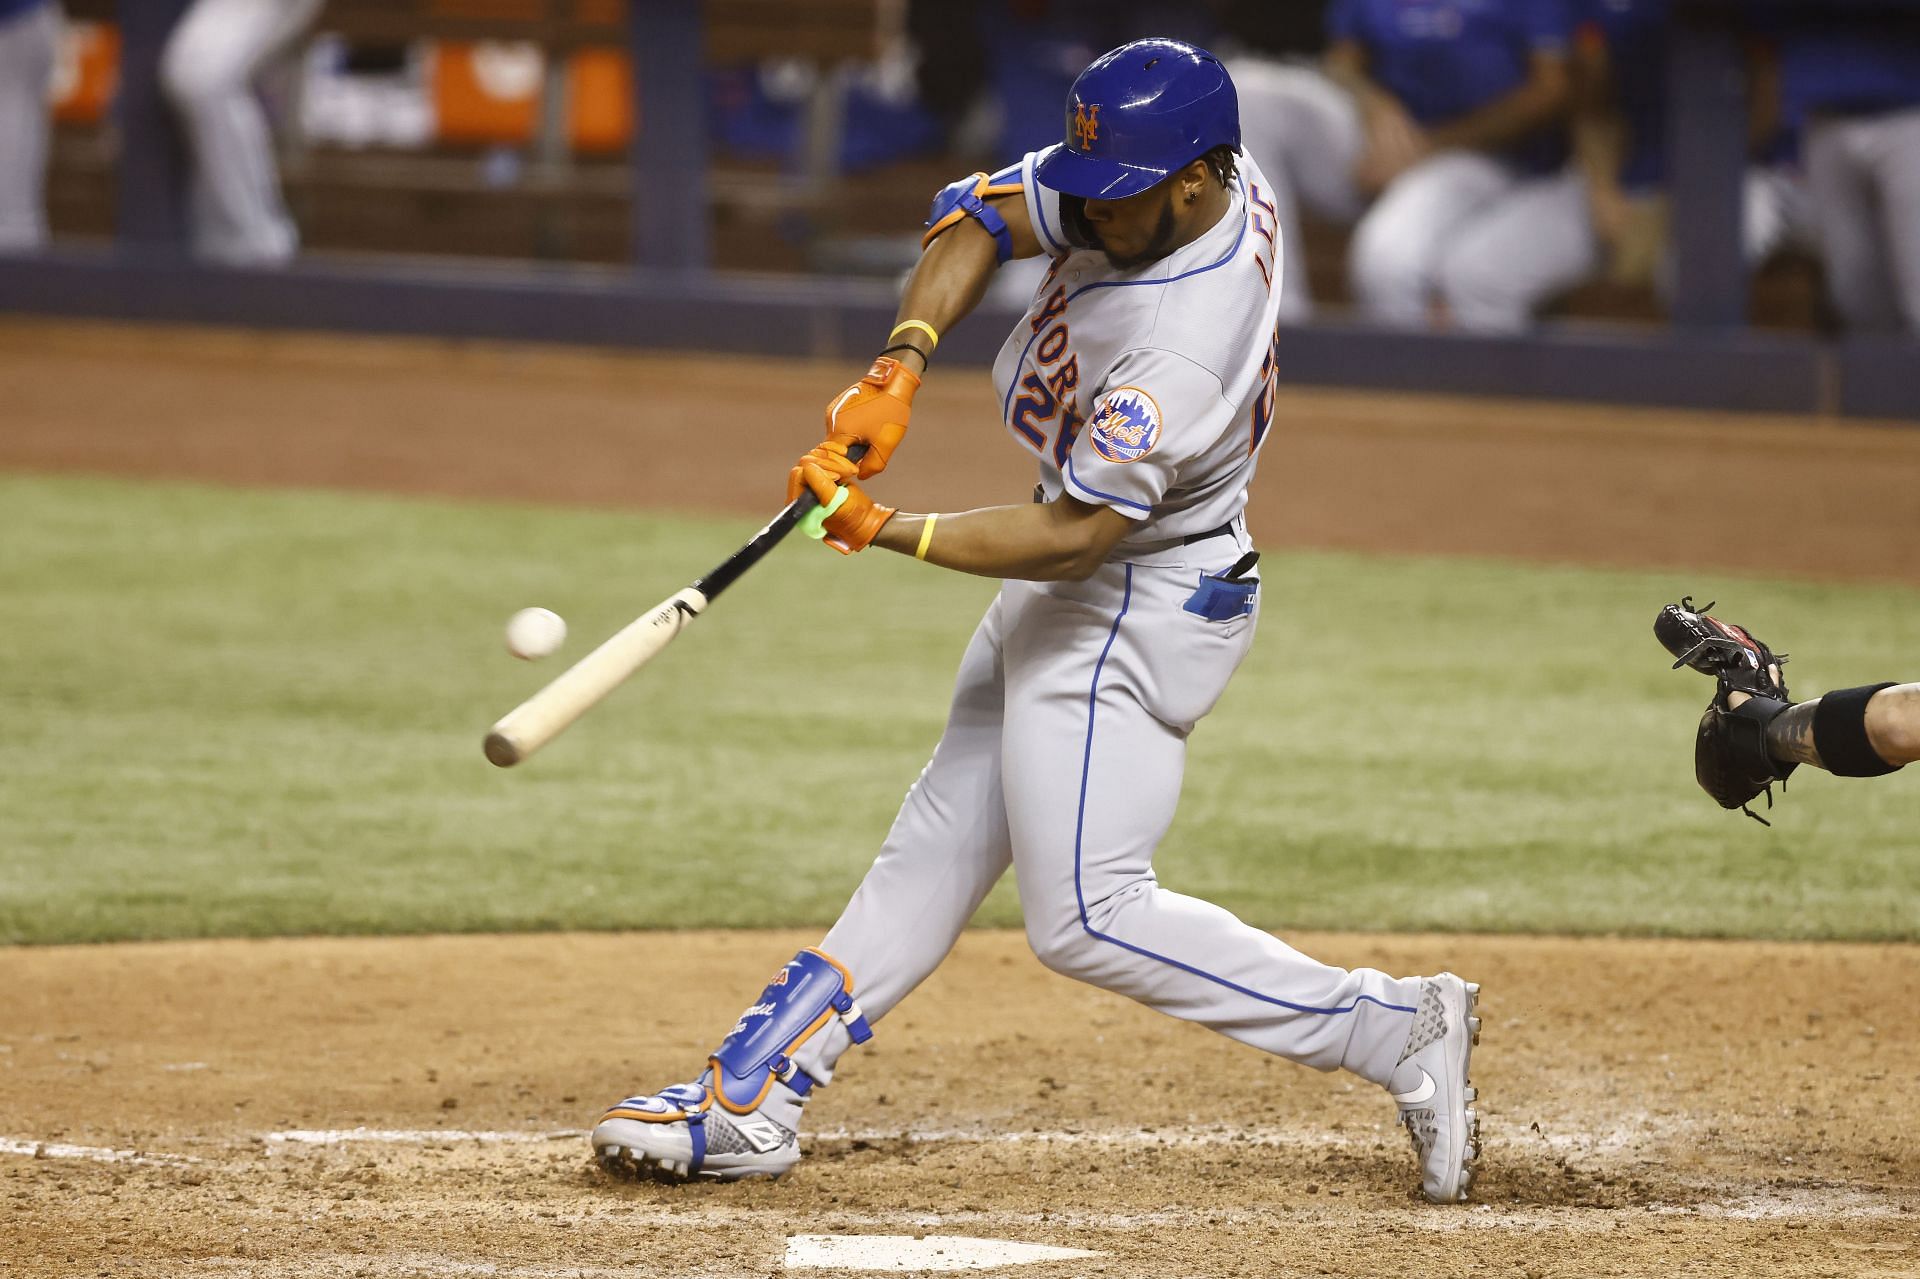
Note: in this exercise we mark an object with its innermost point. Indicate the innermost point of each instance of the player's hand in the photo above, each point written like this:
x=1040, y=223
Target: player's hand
x=1608, y=206
x=1639, y=242
x=827, y=472
x=875, y=409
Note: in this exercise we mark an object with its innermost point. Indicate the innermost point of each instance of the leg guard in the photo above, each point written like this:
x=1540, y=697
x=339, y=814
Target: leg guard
x=801, y=998
x=679, y=1129
x=1840, y=733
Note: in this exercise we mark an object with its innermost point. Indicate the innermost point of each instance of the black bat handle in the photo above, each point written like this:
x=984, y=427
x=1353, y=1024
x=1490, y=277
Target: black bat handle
x=766, y=539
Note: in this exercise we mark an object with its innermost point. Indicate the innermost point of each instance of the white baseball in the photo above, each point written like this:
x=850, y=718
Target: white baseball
x=535, y=632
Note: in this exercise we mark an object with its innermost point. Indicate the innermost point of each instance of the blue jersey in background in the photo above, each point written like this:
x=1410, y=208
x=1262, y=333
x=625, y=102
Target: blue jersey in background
x=1849, y=66
x=1447, y=58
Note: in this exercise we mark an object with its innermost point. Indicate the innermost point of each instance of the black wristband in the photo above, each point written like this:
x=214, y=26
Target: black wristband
x=1840, y=733
x=925, y=358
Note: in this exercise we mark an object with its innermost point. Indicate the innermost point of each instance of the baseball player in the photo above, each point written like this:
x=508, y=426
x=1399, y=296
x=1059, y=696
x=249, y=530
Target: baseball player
x=208, y=69
x=1753, y=735
x=1141, y=382
x=1853, y=83
x=1552, y=234
x=1424, y=117
x=29, y=37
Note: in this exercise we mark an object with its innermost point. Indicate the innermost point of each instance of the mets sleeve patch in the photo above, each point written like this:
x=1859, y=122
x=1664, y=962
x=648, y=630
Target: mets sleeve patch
x=1126, y=426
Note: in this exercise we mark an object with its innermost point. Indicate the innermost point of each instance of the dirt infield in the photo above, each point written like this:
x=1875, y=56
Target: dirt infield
x=415, y=1105
x=1427, y=474
x=1697, y=1109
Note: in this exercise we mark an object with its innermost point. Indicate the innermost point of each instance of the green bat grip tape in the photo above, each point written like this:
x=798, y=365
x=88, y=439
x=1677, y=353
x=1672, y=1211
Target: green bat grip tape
x=814, y=522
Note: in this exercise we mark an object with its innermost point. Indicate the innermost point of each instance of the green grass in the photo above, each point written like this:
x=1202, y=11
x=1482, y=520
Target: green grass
x=259, y=713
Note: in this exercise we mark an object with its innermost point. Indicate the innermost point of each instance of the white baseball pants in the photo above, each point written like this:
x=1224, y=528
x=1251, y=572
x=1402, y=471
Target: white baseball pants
x=1538, y=242
x=28, y=42
x=208, y=71
x=1062, y=757
x=1865, y=178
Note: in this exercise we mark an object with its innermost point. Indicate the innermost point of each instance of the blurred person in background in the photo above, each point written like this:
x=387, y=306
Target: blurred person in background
x=1422, y=117
x=1852, y=83
x=29, y=40
x=208, y=70
x=1608, y=210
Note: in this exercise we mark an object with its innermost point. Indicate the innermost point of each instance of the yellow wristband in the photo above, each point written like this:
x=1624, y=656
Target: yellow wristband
x=922, y=325
x=926, y=537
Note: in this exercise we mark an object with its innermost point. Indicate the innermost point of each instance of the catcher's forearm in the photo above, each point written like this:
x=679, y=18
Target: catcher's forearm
x=1790, y=735
x=1891, y=721
x=1050, y=542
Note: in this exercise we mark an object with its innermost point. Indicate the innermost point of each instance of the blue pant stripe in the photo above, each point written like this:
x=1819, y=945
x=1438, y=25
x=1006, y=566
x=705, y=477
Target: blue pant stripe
x=1079, y=832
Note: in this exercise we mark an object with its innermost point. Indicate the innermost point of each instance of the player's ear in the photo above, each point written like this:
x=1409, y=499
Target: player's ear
x=1193, y=180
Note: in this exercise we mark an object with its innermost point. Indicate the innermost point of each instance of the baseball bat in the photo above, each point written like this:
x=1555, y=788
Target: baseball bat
x=578, y=689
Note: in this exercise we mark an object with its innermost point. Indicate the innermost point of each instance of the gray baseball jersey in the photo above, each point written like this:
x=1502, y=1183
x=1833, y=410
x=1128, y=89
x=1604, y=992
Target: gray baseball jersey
x=1148, y=390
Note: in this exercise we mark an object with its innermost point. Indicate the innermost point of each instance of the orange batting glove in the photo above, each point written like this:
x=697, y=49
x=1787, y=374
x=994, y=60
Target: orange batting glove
x=874, y=409
x=851, y=519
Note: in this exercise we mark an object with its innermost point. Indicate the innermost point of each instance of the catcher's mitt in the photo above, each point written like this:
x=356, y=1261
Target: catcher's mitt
x=1730, y=758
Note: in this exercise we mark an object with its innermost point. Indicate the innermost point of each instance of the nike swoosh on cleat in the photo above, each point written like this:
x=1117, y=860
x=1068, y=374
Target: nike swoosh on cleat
x=1415, y=1096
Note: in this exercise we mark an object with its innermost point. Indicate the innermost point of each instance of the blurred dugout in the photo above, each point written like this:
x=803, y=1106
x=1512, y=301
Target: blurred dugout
x=502, y=127
x=208, y=73
x=1491, y=163
x=234, y=68
x=1490, y=159
x=1494, y=157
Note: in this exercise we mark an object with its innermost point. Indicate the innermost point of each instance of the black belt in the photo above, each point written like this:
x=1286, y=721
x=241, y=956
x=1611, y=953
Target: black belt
x=1225, y=530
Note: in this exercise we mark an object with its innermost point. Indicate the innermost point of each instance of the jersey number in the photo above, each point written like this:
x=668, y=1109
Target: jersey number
x=1036, y=408
x=1046, y=391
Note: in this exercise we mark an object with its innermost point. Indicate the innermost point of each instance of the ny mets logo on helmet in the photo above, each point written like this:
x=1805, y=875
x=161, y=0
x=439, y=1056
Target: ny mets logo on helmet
x=1126, y=426
x=1086, y=124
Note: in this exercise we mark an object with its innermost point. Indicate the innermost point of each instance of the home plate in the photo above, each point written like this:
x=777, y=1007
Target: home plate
x=917, y=1252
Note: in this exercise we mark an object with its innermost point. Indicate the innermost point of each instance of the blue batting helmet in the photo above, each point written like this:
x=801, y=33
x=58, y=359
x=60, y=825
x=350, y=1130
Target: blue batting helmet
x=1137, y=114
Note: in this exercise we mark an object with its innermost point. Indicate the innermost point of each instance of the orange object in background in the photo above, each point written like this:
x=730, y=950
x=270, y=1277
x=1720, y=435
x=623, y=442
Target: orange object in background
x=600, y=100
x=488, y=93
x=484, y=93
x=86, y=72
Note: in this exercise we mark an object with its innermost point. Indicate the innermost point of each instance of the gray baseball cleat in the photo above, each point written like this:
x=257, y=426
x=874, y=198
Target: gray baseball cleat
x=679, y=1134
x=1432, y=1089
